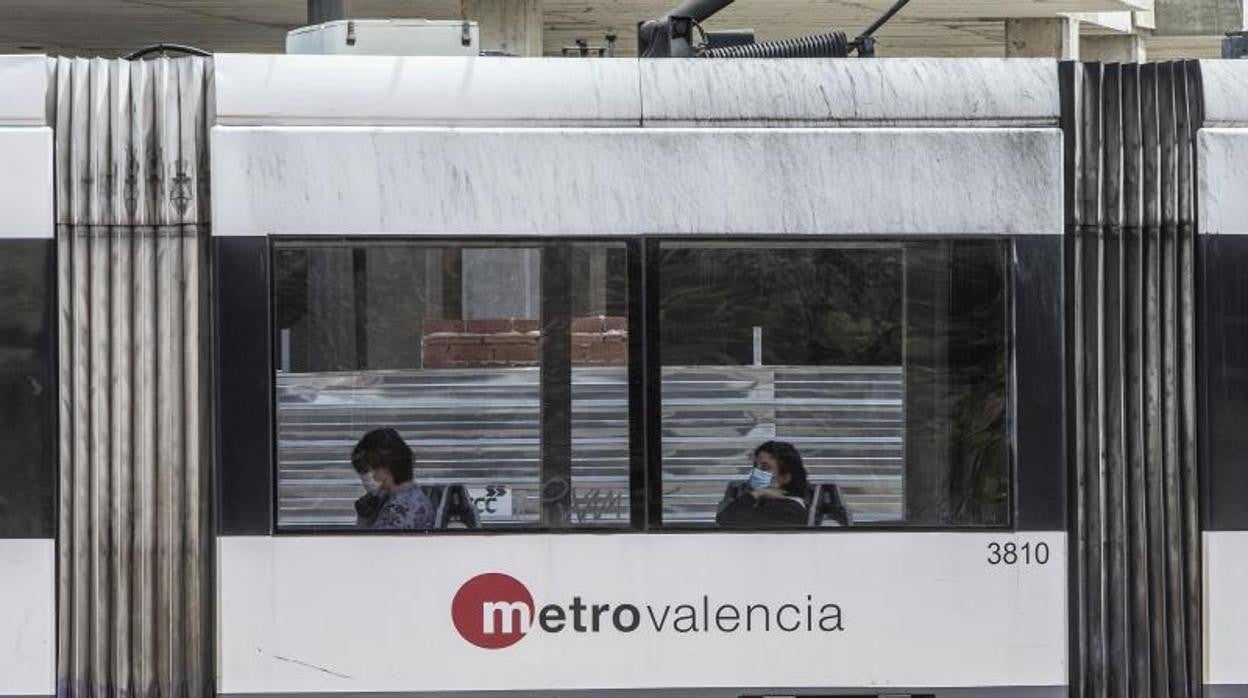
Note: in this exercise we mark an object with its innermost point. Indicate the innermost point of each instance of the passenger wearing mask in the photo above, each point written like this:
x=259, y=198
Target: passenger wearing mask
x=777, y=494
x=369, y=504
x=392, y=501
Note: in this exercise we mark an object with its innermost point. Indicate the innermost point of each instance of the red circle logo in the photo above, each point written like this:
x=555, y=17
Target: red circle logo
x=493, y=610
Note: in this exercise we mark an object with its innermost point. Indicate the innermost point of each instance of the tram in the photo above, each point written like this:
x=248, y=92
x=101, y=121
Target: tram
x=696, y=228
x=994, y=305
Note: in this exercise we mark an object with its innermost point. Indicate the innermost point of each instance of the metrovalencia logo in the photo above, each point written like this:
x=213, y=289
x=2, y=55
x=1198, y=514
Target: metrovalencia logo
x=495, y=610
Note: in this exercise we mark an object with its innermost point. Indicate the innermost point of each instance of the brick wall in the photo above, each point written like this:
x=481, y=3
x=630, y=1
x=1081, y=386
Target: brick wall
x=501, y=342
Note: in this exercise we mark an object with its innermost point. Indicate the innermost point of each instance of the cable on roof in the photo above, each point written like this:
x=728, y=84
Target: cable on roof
x=165, y=48
x=829, y=45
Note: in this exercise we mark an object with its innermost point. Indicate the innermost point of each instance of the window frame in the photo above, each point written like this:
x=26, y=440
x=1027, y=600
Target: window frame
x=1011, y=278
x=636, y=468
x=644, y=381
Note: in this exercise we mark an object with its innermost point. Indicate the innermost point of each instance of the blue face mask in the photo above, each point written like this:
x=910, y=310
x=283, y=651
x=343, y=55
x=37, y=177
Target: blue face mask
x=760, y=479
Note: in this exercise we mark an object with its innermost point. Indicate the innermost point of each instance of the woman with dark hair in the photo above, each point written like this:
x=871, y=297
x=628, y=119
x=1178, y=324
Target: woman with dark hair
x=777, y=494
x=397, y=503
x=369, y=504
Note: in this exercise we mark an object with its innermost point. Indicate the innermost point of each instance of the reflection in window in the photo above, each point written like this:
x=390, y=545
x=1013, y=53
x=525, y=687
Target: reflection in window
x=504, y=369
x=884, y=364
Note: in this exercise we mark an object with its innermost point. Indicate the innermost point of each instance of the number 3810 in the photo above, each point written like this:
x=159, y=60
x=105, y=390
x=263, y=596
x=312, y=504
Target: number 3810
x=1015, y=554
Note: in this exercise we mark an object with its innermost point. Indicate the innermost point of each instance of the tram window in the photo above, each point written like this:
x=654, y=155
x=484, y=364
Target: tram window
x=884, y=365
x=27, y=381
x=446, y=344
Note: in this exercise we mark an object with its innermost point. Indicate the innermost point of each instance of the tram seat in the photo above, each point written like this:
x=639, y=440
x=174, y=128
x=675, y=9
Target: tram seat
x=452, y=505
x=825, y=503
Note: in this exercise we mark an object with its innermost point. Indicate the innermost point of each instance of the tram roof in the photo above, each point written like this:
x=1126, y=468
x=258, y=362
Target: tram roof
x=416, y=91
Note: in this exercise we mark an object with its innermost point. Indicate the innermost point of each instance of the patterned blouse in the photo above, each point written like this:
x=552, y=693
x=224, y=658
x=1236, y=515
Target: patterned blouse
x=408, y=509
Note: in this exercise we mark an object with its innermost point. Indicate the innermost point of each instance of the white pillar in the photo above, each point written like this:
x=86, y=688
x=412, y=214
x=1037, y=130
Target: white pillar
x=510, y=26
x=503, y=283
x=1120, y=48
x=1049, y=37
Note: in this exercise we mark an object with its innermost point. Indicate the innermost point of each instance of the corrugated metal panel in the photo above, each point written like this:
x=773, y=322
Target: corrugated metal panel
x=134, y=590
x=481, y=427
x=1136, y=608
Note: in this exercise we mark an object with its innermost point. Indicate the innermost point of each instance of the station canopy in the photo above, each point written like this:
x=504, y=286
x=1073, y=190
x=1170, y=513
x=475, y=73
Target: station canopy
x=963, y=28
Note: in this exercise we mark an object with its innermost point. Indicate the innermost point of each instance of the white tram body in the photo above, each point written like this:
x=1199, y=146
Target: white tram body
x=1222, y=147
x=367, y=150
x=550, y=147
x=547, y=147
x=27, y=556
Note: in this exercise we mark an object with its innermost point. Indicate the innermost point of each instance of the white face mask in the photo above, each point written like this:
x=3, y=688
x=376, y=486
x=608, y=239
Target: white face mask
x=760, y=479
x=370, y=483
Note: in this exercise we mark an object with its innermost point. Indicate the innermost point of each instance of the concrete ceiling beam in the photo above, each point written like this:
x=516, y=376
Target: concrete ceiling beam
x=1201, y=17
x=509, y=26
x=1105, y=23
x=938, y=9
x=1050, y=37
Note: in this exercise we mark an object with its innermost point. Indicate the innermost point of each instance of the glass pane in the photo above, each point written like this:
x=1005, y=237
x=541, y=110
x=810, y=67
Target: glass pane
x=445, y=345
x=880, y=368
x=28, y=380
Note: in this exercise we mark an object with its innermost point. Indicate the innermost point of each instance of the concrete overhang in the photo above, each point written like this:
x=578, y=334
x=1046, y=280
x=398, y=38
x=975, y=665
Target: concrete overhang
x=112, y=27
